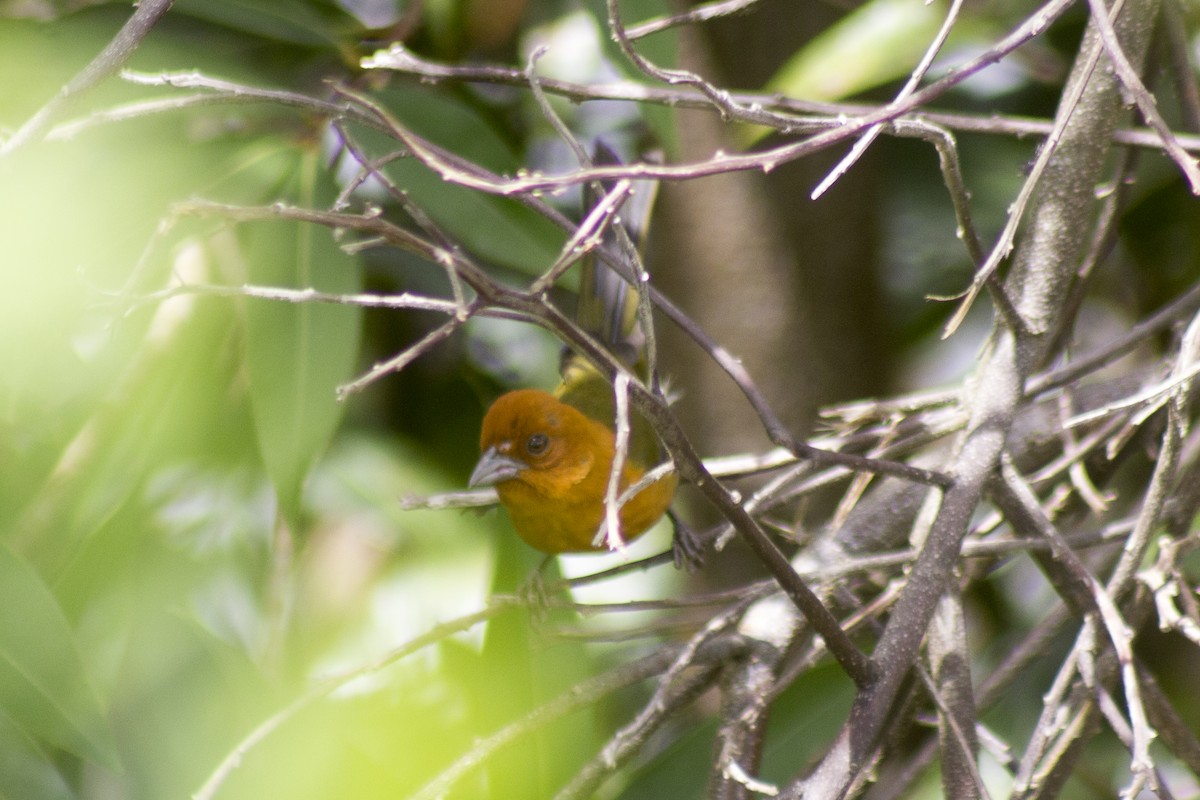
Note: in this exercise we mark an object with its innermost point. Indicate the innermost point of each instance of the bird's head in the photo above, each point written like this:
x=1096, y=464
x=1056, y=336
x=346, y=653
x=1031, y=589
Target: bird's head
x=530, y=436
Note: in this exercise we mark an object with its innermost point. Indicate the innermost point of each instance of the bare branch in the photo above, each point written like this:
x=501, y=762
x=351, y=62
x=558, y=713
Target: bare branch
x=1133, y=84
x=105, y=64
x=1099, y=600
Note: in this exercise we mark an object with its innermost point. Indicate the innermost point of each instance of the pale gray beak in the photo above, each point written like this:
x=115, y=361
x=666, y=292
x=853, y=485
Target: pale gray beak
x=494, y=467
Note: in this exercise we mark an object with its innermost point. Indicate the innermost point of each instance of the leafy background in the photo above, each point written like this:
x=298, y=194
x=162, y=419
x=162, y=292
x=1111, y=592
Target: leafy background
x=194, y=531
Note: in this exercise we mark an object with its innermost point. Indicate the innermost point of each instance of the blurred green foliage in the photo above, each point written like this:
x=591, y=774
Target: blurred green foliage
x=193, y=530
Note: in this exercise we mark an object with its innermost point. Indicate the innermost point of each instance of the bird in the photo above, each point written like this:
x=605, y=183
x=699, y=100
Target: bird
x=550, y=463
x=549, y=455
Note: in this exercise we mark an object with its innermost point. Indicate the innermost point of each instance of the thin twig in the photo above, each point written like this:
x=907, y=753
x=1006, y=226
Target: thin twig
x=821, y=116
x=119, y=49
x=580, y=696
x=327, y=686
x=405, y=357
x=1102, y=18
x=404, y=300
x=611, y=534
x=1102, y=602
x=1163, y=477
x=914, y=79
x=1079, y=82
x=699, y=13
x=674, y=688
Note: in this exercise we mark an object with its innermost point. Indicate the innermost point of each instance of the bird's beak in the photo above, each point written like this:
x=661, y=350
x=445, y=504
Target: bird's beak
x=494, y=467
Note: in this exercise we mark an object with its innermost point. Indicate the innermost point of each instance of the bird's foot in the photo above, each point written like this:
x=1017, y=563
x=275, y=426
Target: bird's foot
x=533, y=593
x=686, y=548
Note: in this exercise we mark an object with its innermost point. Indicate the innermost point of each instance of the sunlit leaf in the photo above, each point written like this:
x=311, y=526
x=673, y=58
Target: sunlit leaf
x=879, y=42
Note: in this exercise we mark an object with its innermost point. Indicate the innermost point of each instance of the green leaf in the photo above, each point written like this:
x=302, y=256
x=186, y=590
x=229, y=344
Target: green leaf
x=525, y=670
x=27, y=771
x=497, y=229
x=297, y=354
x=44, y=688
x=302, y=23
x=879, y=42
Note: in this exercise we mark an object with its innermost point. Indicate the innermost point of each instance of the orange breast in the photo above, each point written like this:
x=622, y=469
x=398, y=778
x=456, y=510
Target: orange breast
x=569, y=523
x=556, y=498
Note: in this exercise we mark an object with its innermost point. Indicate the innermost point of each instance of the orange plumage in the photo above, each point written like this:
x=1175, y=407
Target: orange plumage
x=550, y=456
x=550, y=464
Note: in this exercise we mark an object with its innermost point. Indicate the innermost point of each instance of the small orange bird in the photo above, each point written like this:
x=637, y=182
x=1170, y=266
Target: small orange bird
x=550, y=463
x=550, y=455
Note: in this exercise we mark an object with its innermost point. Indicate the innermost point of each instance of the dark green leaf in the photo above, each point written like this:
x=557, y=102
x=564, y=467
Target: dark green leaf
x=297, y=354
x=497, y=229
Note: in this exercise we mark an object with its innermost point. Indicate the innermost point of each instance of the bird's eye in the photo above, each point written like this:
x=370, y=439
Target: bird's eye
x=536, y=444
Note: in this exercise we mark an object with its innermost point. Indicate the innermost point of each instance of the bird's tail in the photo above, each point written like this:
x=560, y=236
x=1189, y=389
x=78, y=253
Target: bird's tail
x=607, y=307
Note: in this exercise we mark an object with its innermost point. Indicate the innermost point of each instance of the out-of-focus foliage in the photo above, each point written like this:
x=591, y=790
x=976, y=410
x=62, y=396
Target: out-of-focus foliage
x=194, y=531
x=194, y=528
